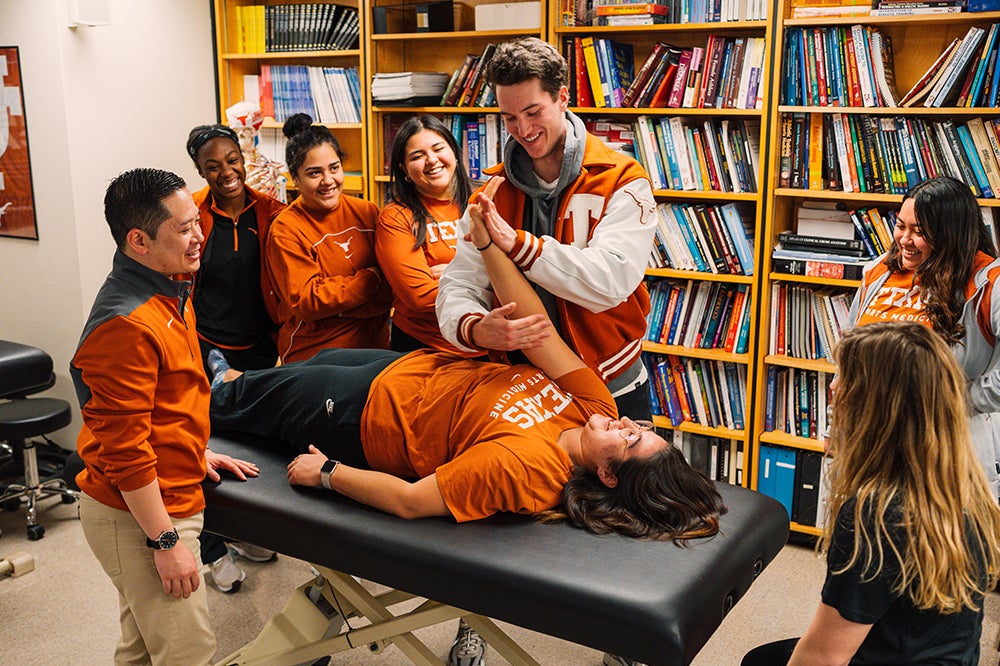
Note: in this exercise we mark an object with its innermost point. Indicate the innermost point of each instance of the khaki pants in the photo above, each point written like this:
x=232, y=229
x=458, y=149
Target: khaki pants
x=157, y=628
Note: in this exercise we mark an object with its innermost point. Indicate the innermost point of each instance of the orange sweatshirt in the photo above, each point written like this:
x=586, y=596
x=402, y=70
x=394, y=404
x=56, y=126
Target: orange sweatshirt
x=329, y=290
x=408, y=269
x=143, y=392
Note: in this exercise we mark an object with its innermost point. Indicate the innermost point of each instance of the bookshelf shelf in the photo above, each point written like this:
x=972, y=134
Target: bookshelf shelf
x=960, y=18
x=696, y=352
x=695, y=429
x=805, y=279
x=697, y=275
x=791, y=441
x=947, y=112
x=817, y=365
x=681, y=111
x=706, y=195
x=721, y=27
x=435, y=109
x=354, y=54
x=451, y=36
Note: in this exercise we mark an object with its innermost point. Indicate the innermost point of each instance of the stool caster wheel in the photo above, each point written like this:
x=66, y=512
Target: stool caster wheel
x=68, y=499
x=11, y=504
x=35, y=532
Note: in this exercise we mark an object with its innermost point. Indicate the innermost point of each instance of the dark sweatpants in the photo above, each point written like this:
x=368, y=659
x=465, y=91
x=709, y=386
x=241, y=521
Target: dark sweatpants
x=318, y=401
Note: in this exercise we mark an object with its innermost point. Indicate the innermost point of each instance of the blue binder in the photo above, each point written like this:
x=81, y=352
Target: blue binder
x=776, y=475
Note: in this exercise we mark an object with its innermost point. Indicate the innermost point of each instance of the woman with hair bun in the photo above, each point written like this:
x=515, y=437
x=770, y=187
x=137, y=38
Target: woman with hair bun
x=320, y=254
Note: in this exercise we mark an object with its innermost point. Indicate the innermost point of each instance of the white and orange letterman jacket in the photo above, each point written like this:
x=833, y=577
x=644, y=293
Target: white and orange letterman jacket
x=592, y=264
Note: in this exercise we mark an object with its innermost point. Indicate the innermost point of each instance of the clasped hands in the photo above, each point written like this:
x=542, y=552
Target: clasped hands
x=495, y=330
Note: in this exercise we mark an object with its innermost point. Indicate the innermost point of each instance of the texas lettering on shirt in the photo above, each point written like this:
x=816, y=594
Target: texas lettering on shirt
x=897, y=300
x=531, y=401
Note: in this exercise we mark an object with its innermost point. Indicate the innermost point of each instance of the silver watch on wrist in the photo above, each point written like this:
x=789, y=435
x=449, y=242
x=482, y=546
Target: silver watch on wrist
x=326, y=470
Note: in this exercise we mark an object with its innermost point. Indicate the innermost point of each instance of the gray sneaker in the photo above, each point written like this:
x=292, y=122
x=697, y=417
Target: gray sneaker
x=469, y=647
x=248, y=551
x=226, y=574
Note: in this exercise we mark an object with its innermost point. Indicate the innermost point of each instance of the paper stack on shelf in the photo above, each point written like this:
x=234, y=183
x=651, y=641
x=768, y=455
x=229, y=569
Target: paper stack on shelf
x=409, y=88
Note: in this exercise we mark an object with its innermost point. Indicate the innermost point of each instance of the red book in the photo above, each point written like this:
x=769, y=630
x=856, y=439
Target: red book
x=266, y=93
x=676, y=97
x=734, y=323
x=584, y=95
x=637, y=8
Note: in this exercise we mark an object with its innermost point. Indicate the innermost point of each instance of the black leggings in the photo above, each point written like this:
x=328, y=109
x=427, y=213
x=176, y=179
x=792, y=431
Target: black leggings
x=318, y=401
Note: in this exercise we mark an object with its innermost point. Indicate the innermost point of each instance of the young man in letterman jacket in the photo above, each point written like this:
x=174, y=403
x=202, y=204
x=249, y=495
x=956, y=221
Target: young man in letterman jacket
x=144, y=399
x=576, y=216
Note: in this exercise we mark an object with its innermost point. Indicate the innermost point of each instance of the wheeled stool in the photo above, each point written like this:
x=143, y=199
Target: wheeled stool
x=25, y=370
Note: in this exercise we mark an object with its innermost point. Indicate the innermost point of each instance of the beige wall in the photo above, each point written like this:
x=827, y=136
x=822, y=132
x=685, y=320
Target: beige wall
x=98, y=101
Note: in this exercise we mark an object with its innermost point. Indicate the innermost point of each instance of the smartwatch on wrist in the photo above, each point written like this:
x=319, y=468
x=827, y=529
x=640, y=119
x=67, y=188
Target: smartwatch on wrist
x=326, y=470
x=167, y=540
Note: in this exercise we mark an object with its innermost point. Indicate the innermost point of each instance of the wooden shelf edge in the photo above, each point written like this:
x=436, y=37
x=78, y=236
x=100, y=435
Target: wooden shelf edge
x=714, y=26
x=809, y=279
x=661, y=421
x=665, y=111
x=454, y=35
x=805, y=529
x=707, y=194
x=695, y=352
x=277, y=55
x=698, y=275
x=816, y=364
x=894, y=110
x=791, y=441
x=948, y=19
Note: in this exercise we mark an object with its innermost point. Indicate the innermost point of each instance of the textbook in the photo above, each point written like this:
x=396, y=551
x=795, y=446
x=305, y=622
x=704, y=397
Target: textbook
x=825, y=268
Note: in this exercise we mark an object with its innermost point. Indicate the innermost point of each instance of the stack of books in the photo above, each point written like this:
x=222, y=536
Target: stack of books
x=637, y=13
x=408, y=88
x=832, y=242
x=913, y=7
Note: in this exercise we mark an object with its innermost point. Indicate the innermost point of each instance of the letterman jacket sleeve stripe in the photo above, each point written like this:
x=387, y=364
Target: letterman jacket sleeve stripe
x=527, y=248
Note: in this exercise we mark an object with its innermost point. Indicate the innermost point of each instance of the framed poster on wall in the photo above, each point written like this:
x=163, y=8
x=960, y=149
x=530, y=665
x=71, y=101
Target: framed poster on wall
x=17, y=199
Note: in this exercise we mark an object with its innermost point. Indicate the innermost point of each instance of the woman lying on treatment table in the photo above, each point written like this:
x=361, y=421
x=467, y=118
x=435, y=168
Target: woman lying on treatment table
x=433, y=434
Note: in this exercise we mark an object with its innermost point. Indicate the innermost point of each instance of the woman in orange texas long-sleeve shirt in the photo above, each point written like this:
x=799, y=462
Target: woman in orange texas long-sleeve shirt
x=321, y=257
x=416, y=233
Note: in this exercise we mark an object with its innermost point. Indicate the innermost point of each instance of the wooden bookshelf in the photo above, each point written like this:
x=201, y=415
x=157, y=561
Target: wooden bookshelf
x=917, y=41
x=434, y=51
x=233, y=63
x=689, y=35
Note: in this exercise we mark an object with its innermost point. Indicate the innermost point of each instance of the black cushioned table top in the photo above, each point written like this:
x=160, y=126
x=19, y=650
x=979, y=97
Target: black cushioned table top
x=23, y=369
x=653, y=602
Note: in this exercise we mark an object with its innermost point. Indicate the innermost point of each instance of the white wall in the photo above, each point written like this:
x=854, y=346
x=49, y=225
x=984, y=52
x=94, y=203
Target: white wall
x=98, y=101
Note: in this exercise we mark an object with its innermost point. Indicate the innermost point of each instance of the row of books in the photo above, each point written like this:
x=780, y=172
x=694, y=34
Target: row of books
x=838, y=66
x=468, y=86
x=703, y=237
x=717, y=458
x=296, y=27
x=796, y=401
x=964, y=74
x=862, y=153
x=798, y=479
x=481, y=137
x=725, y=73
x=858, y=233
x=692, y=390
x=328, y=94
x=590, y=12
x=853, y=8
x=702, y=315
x=714, y=154
x=807, y=322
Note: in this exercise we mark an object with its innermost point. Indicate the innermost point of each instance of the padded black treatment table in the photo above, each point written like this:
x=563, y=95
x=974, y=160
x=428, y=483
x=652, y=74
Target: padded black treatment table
x=653, y=602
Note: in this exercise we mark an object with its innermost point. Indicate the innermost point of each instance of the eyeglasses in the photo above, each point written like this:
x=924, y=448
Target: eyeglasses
x=631, y=431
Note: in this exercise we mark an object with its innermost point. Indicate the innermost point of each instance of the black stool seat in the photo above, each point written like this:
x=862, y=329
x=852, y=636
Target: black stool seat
x=20, y=419
x=23, y=369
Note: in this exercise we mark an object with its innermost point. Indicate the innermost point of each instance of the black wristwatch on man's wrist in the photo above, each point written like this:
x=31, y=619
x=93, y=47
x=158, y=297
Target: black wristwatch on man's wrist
x=167, y=540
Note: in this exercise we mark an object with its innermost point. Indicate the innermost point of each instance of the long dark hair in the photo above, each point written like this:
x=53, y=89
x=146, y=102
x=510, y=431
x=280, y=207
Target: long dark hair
x=303, y=136
x=952, y=223
x=658, y=497
x=402, y=190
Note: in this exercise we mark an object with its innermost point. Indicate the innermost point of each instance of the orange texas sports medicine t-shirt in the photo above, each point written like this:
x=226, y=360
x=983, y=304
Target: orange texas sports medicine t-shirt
x=897, y=300
x=488, y=431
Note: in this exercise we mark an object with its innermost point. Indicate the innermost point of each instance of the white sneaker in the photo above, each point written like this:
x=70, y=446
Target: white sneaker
x=248, y=551
x=226, y=574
